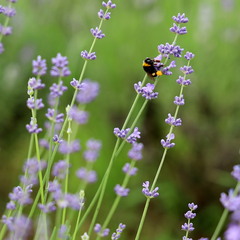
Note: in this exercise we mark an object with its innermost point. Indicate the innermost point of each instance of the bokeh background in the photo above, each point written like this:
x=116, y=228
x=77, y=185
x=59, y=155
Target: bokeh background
x=207, y=145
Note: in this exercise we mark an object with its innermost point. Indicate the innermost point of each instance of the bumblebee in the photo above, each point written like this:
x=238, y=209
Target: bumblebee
x=152, y=67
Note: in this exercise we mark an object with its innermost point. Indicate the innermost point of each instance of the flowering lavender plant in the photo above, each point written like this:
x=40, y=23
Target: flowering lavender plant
x=5, y=30
x=45, y=195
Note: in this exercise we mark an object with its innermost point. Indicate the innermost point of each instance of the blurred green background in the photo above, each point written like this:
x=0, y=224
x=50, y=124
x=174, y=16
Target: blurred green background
x=207, y=145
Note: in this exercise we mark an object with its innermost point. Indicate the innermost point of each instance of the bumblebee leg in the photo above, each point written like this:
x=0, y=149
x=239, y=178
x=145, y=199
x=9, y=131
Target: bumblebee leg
x=159, y=73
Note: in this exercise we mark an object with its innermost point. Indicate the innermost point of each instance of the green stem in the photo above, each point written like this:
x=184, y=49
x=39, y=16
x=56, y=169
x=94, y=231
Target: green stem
x=67, y=175
x=81, y=195
x=104, y=184
x=40, y=171
x=142, y=219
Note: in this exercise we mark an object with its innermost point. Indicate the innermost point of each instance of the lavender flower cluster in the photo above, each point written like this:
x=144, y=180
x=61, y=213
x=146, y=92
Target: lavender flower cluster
x=8, y=11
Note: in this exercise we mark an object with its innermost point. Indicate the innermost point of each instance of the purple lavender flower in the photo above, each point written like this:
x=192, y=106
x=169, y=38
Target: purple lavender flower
x=116, y=235
x=35, y=84
x=33, y=103
x=29, y=180
x=232, y=232
x=180, y=18
x=57, y=90
x=173, y=121
x=97, y=33
x=5, y=31
x=33, y=166
x=97, y=228
x=1, y=48
x=74, y=83
x=88, y=56
x=169, y=49
x=39, y=66
x=67, y=148
x=121, y=133
x=149, y=193
x=179, y=100
x=189, y=215
x=178, y=30
x=58, y=118
x=187, y=69
x=166, y=70
x=89, y=91
x=20, y=226
x=136, y=151
x=9, y=12
x=75, y=201
x=192, y=206
x=189, y=56
x=167, y=143
x=109, y=4
x=63, y=232
x=33, y=127
x=146, y=91
x=2, y=9
x=8, y=221
x=102, y=232
x=54, y=186
x=49, y=207
x=56, y=139
x=79, y=116
x=60, y=169
x=182, y=81
x=92, y=152
x=11, y=205
x=22, y=196
x=87, y=175
x=188, y=227
x=132, y=138
x=131, y=171
x=60, y=68
x=236, y=172
x=44, y=143
x=121, y=191
x=230, y=201
x=102, y=14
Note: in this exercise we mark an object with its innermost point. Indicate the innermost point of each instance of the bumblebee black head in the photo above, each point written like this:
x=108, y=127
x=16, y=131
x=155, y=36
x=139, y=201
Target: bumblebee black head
x=148, y=60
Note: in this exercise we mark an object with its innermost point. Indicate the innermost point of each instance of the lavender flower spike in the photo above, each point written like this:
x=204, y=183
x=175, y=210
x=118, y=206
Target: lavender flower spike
x=116, y=235
x=180, y=18
x=121, y=191
x=178, y=30
x=39, y=66
x=109, y=4
x=60, y=68
x=236, y=172
x=88, y=56
x=167, y=143
x=179, y=100
x=173, y=121
x=121, y=133
x=103, y=15
x=189, y=56
x=97, y=33
x=146, y=91
x=147, y=192
x=132, y=138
